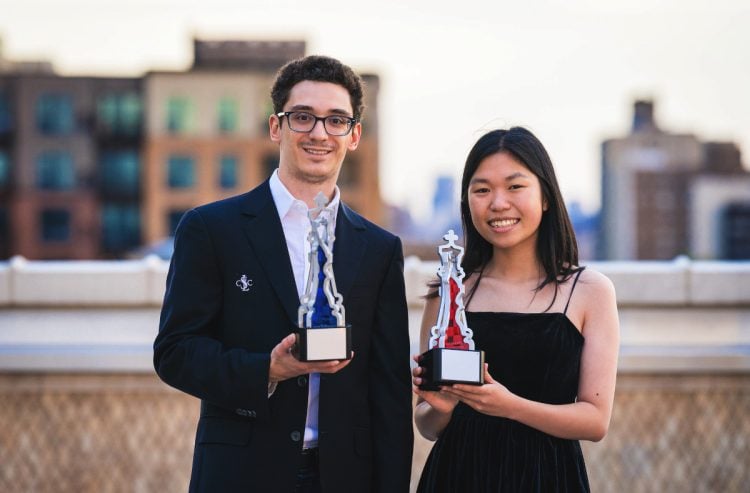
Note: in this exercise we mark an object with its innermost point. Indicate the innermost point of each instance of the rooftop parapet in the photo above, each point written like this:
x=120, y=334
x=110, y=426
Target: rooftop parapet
x=245, y=54
x=680, y=282
x=678, y=316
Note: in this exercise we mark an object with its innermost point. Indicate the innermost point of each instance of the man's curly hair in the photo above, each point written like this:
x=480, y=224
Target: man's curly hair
x=320, y=69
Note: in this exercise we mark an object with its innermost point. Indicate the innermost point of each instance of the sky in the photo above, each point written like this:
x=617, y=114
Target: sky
x=569, y=70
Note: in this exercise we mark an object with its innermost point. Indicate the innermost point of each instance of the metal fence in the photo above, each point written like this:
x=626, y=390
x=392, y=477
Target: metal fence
x=131, y=433
x=94, y=433
x=675, y=433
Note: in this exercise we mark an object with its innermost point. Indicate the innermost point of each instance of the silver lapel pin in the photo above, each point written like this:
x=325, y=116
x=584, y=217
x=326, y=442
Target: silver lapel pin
x=244, y=283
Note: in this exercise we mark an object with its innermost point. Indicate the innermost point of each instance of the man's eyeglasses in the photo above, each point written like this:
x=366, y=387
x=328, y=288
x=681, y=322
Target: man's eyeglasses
x=304, y=122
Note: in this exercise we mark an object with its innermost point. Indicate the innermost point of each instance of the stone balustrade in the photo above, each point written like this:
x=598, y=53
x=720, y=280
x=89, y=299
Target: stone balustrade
x=102, y=315
x=680, y=282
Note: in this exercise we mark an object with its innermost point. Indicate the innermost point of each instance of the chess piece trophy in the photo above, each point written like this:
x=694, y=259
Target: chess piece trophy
x=322, y=332
x=451, y=357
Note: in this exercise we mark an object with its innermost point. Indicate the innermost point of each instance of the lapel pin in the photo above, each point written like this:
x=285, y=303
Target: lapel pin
x=244, y=283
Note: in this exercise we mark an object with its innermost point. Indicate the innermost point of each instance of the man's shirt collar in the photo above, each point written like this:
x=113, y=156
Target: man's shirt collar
x=284, y=199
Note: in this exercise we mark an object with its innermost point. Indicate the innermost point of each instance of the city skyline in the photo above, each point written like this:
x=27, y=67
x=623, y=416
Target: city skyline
x=568, y=71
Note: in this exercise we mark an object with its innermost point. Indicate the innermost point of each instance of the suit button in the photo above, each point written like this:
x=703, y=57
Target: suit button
x=302, y=381
x=296, y=436
x=251, y=414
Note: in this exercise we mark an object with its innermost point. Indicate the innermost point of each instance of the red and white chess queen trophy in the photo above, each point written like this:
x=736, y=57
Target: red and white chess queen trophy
x=451, y=356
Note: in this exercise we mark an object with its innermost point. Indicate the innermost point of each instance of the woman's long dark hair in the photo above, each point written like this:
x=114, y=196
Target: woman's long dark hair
x=556, y=245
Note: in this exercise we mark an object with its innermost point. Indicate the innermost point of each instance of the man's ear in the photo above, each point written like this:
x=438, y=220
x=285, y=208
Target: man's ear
x=274, y=128
x=355, y=136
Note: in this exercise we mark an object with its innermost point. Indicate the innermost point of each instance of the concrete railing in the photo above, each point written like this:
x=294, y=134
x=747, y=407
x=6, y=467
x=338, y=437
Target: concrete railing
x=103, y=315
x=141, y=282
x=645, y=283
x=117, y=283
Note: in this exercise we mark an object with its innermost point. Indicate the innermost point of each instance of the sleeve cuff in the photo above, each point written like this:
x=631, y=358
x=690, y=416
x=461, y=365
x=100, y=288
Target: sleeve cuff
x=271, y=388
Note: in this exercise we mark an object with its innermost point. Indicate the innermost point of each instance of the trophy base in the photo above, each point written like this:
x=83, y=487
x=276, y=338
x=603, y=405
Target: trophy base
x=324, y=343
x=448, y=366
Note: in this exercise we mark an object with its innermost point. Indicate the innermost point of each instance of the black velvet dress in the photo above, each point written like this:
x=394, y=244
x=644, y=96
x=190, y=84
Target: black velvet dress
x=537, y=356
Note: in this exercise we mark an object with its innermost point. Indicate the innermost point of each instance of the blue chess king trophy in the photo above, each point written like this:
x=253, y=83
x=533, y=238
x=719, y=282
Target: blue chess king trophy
x=322, y=332
x=451, y=356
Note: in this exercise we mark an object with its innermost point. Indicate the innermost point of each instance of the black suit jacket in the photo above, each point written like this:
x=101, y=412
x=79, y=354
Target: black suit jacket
x=215, y=340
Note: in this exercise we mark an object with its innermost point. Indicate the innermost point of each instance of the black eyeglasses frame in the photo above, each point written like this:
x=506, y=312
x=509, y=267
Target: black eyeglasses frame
x=352, y=121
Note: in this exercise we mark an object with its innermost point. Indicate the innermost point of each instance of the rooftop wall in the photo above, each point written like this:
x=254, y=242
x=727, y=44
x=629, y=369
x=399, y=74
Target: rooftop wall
x=683, y=315
x=139, y=283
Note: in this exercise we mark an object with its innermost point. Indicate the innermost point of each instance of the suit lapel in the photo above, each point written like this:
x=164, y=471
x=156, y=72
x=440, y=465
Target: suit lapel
x=348, y=249
x=266, y=236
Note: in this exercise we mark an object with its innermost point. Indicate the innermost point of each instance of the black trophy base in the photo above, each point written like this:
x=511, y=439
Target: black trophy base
x=448, y=366
x=324, y=343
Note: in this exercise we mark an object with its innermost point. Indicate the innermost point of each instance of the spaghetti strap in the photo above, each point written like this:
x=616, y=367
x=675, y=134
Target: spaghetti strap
x=575, y=281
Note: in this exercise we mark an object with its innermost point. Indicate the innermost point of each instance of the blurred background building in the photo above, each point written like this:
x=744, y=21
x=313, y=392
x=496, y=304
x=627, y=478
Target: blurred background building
x=105, y=167
x=98, y=167
x=666, y=194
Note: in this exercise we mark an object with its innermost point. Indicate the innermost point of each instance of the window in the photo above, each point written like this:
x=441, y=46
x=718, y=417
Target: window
x=180, y=172
x=121, y=227
x=4, y=234
x=173, y=219
x=228, y=171
x=180, y=115
x=735, y=231
x=267, y=110
x=3, y=224
x=54, y=114
x=4, y=169
x=5, y=119
x=120, y=172
x=55, y=225
x=55, y=171
x=270, y=163
x=120, y=114
x=228, y=115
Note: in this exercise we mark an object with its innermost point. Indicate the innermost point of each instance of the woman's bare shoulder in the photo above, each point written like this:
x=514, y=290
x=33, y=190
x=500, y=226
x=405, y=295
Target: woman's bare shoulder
x=595, y=280
x=597, y=290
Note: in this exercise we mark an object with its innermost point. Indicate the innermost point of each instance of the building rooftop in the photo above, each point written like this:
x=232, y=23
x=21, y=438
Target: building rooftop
x=245, y=54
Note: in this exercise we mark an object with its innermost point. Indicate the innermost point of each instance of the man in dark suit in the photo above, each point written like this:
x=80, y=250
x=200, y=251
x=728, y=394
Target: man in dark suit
x=269, y=422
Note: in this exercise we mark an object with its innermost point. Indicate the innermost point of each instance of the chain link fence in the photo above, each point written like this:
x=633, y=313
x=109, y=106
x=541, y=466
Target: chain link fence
x=84, y=433
x=669, y=433
x=131, y=433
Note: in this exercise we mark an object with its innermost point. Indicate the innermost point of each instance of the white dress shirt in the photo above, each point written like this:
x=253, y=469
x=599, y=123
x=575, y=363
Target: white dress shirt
x=296, y=226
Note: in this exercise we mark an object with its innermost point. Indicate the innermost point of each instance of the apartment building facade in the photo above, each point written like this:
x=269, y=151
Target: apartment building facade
x=95, y=167
x=666, y=195
x=69, y=165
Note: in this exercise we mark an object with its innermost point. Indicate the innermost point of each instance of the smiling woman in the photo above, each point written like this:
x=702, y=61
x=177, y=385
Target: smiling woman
x=531, y=307
x=506, y=202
